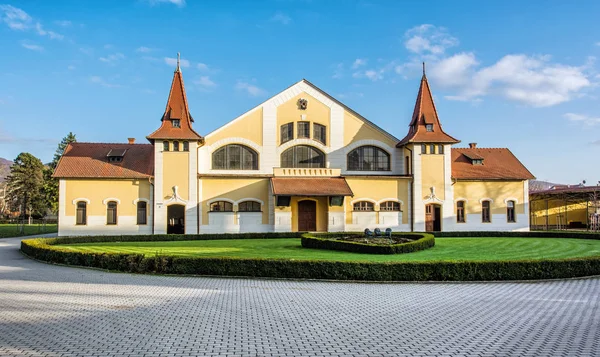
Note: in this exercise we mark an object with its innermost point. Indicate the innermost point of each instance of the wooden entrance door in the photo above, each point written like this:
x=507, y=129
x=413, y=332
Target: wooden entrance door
x=307, y=216
x=433, y=218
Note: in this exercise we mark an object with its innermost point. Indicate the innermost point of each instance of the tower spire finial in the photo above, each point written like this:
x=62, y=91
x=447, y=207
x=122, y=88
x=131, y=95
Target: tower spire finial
x=178, y=60
x=423, y=68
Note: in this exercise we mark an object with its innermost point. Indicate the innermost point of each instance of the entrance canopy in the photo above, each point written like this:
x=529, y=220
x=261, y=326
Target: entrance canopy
x=310, y=186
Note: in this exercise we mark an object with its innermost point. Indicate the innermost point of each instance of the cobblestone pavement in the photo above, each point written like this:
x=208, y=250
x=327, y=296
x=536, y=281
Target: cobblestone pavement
x=48, y=310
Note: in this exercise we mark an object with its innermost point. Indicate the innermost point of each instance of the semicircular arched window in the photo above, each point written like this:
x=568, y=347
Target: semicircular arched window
x=368, y=158
x=235, y=157
x=303, y=156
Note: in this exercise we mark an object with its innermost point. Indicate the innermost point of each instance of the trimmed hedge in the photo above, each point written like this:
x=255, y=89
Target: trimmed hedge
x=323, y=241
x=530, y=234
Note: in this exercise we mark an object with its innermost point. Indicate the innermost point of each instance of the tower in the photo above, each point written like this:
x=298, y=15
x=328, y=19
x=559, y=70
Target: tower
x=428, y=149
x=176, y=165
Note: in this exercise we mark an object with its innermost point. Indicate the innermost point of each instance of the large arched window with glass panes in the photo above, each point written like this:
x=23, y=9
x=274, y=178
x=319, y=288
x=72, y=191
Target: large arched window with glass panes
x=368, y=158
x=303, y=156
x=235, y=157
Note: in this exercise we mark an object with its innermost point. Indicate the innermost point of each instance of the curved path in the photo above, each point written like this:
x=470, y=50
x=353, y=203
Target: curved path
x=48, y=310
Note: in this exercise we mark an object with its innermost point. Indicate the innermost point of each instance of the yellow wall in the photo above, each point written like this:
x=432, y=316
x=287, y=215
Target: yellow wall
x=247, y=127
x=378, y=189
x=498, y=191
x=432, y=175
x=235, y=189
x=356, y=129
x=98, y=190
x=570, y=212
x=316, y=112
x=176, y=173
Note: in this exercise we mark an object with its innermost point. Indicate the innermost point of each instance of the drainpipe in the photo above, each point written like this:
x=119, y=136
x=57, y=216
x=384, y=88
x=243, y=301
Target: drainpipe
x=412, y=191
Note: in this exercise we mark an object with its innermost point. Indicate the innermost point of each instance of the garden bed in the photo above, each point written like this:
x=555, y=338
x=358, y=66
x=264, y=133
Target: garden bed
x=357, y=243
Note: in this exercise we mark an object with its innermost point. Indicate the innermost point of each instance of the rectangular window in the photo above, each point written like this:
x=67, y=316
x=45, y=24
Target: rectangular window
x=423, y=149
x=141, y=212
x=485, y=212
x=165, y=146
x=510, y=212
x=81, y=213
x=304, y=129
x=320, y=133
x=176, y=123
x=432, y=149
x=429, y=127
x=460, y=212
x=441, y=149
x=111, y=213
x=287, y=132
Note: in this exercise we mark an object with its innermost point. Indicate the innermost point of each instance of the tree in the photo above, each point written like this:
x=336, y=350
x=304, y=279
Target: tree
x=25, y=184
x=50, y=183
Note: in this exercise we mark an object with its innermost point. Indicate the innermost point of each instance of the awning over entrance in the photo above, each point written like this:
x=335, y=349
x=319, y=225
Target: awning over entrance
x=310, y=186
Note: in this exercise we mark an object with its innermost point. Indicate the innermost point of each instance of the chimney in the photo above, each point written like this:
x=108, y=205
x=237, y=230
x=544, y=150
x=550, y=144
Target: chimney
x=472, y=145
x=131, y=140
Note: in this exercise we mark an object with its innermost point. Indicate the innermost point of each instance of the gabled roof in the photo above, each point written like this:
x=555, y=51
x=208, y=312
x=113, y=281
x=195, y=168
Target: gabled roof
x=89, y=160
x=177, y=108
x=304, y=84
x=423, y=114
x=498, y=163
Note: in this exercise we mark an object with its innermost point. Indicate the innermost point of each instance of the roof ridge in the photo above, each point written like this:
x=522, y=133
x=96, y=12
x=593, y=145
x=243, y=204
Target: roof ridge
x=98, y=143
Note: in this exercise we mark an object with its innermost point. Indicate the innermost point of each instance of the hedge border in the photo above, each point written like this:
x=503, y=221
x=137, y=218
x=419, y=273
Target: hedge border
x=323, y=241
x=48, y=251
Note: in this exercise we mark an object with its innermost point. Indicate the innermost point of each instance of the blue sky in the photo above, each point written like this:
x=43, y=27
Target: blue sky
x=516, y=74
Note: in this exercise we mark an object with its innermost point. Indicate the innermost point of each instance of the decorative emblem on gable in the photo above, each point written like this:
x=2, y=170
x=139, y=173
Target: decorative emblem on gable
x=302, y=103
x=432, y=197
x=175, y=198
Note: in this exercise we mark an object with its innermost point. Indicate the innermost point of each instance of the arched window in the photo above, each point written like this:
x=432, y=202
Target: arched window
x=249, y=206
x=186, y=146
x=142, y=212
x=286, y=132
x=81, y=218
x=175, y=145
x=364, y=206
x=389, y=206
x=485, y=212
x=111, y=213
x=303, y=156
x=235, y=157
x=510, y=212
x=165, y=145
x=221, y=206
x=368, y=158
x=460, y=212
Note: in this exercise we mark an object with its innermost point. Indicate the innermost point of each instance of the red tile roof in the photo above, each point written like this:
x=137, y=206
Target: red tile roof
x=89, y=160
x=313, y=186
x=423, y=114
x=498, y=163
x=177, y=108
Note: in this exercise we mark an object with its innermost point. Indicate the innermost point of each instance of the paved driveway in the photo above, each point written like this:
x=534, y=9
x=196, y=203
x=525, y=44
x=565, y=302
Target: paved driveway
x=50, y=310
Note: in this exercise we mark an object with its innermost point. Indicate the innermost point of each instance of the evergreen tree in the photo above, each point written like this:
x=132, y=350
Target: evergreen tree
x=25, y=185
x=50, y=183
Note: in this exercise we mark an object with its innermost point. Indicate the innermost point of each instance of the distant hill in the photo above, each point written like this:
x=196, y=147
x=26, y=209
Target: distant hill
x=4, y=168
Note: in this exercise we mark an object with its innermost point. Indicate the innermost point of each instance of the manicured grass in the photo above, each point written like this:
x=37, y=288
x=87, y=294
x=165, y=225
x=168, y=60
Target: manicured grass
x=12, y=230
x=446, y=249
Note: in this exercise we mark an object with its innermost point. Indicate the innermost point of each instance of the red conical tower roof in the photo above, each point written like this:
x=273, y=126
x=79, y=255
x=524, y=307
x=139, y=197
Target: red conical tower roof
x=424, y=114
x=177, y=109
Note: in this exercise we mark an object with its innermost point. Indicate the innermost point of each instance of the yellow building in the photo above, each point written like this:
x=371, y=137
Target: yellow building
x=300, y=161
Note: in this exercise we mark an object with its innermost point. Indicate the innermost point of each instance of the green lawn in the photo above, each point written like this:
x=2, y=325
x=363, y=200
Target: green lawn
x=446, y=249
x=12, y=230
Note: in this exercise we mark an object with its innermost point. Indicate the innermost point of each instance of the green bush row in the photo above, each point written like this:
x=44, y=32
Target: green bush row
x=325, y=241
x=44, y=249
x=530, y=234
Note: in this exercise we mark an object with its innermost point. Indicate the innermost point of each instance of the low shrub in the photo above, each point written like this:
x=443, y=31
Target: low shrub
x=48, y=250
x=530, y=234
x=325, y=241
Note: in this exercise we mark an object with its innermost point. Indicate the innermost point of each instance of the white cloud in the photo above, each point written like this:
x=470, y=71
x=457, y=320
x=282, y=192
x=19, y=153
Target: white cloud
x=581, y=118
x=202, y=67
x=63, y=23
x=173, y=62
x=179, y=3
x=281, y=18
x=112, y=59
x=456, y=70
x=338, y=71
x=358, y=63
x=71, y=68
x=249, y=88
x=205, y=82
x=99, y=80
x=32, y=47
x=428, y=39
x=17, y=19
x=144, y=49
